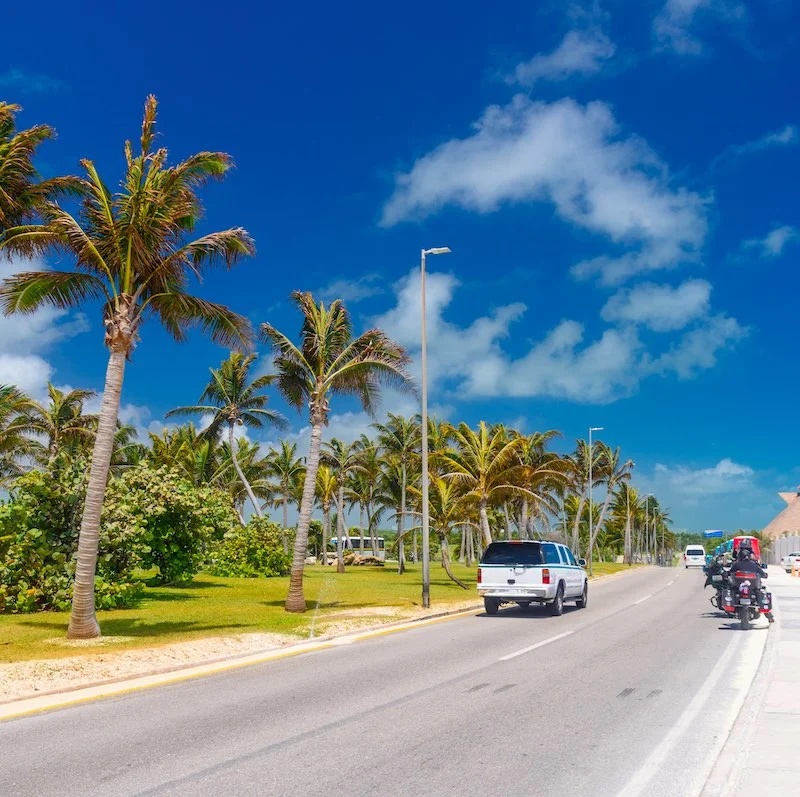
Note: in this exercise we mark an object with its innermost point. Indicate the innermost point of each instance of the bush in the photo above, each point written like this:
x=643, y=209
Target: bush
x=151, y=518
x=162, y=520
x=253, y=551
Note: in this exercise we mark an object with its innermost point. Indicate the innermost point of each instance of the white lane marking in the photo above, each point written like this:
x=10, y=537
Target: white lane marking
x=672, y=582
x=537, y=645
x=642, y=600
x=654, y=763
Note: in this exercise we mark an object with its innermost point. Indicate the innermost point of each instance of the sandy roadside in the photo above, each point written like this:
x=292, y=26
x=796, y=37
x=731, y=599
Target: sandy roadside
x=96, y=664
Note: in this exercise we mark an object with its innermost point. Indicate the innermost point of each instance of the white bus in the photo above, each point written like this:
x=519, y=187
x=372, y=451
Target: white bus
x=354, y=544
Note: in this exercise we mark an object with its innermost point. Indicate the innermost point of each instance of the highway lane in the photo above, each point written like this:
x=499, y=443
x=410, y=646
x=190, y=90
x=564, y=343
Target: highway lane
x=632, y=695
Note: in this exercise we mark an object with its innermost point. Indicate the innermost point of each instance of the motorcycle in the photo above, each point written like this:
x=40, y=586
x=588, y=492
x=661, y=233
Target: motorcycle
x=745, y=598
x=717, y=578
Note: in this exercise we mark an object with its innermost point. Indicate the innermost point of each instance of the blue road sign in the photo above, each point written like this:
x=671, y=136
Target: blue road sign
x=713, y=533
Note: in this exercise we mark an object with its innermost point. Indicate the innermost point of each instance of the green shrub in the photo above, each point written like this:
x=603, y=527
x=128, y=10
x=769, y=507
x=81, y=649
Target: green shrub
x=251, y=551
x=162, y=520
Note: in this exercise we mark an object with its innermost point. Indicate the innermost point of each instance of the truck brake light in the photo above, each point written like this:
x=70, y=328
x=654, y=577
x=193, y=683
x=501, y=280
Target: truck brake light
x=479, y=575
x=545, y=576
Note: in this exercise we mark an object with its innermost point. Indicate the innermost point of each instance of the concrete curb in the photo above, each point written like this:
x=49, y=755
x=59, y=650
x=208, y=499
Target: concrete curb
x=726, y=773
x=110, y=687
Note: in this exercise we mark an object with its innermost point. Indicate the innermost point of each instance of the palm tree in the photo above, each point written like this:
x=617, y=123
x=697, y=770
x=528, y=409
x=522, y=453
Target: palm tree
x=447, y=508
x=14, y=444
x=398, y=439
x=131, y=252
x=244, y=458
x=328, y=361
x=579, y=469
x=370, y=465
x=612, y=473
x=288, y=471
x=21, y=192
x=342, y=459
x=61, y=421
x=233, y=399
x=325, y=488
x=544, y=474
x=486, y=467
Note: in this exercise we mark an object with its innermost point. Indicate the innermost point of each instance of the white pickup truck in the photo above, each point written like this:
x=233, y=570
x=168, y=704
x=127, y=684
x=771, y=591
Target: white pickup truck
x=789, y=560
x=528, y=571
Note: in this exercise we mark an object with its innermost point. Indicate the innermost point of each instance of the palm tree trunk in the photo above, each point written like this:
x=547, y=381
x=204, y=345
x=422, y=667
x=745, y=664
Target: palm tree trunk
x=597, y=527
x=240, y=473
x=446, y=561
x=295, y=600
x=416, y=547
x=83, y=621
x=340, y=532
x=463, y=548
x=508, y=520
x=523, y=529
x=401, y=524
x=284, y=541
x=361, y=527
x=628, y=555
x=326, y=522
x=470, y=532
x=487, y=534
x=576, y=526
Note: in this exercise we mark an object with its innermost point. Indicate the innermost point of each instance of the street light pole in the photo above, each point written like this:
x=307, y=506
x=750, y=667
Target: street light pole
x=591, y=513
x=426, y=533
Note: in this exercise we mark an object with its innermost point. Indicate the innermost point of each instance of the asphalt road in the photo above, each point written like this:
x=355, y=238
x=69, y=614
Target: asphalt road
x=633, y=695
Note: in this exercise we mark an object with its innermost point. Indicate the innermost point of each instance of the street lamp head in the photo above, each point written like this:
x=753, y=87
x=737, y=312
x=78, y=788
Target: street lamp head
x=439, y=250
x=596, y=429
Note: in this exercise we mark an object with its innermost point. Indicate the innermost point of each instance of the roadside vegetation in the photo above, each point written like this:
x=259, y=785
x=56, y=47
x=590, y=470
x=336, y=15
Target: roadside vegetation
x=99, y=519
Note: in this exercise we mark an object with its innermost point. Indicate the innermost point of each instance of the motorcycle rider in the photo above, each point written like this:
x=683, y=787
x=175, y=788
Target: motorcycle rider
x=714, y=568
x=745, y=563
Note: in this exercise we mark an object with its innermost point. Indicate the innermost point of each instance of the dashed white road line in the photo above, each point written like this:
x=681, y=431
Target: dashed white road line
x=537, y=645
x=642, y=600
x=672, y=582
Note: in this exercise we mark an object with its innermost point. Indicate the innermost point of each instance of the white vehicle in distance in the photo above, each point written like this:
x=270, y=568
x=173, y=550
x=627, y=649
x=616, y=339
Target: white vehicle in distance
x=694, y=556
x=788, y=561
x=528, y=571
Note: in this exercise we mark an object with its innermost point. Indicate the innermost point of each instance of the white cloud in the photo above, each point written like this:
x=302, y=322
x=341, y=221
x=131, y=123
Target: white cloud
x=693, y=484
x=774, y=242
x=352, y=290
x=581, y=52
x=699, y=348
x=16, y=79
x=673, y=25
x=570, y=155
x=662, y=308
x=25, y=338
x=470, y=361
x=785, y=137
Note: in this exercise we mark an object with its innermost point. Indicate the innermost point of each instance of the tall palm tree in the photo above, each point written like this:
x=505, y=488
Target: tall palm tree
x=287, y=470
x=612, y=472
x=370, y=465
x=541, y=465
x=245, y=459
x=21, y=192
x=234, y=399
x=329, y=360
x=486, y=467
x=14, y=443
x=132, y=252
x=579, y=470
x=398, y=439
x=342, y=459
x=325, y=489
x=447, y=507
x=61, y=420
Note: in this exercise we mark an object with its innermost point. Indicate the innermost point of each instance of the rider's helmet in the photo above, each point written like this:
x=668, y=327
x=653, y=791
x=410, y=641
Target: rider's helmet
x=745, y=550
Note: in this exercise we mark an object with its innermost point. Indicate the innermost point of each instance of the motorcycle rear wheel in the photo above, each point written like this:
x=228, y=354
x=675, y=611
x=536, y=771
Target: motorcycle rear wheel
x=744, y=617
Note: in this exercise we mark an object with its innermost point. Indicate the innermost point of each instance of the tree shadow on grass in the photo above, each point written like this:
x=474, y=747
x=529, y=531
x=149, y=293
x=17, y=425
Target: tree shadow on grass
x=154, y=583
x=311, y=605
x=132, y=627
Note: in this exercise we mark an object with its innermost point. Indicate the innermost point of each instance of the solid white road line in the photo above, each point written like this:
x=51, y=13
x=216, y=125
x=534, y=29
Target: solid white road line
x=654, y=763
x=537, y=645
x=642, y=600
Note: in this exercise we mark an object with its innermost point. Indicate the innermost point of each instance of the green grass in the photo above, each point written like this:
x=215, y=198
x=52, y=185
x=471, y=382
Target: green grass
x=212, y=606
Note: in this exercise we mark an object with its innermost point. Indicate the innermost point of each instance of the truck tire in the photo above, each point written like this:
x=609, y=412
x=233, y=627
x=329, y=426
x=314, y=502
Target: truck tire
x=584, y=599
x=492, y=605
x=557, y=605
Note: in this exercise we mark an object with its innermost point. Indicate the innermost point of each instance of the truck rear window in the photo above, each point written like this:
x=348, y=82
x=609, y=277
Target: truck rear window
x=510, y=553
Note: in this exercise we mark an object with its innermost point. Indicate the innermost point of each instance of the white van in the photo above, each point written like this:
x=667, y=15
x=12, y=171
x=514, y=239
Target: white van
x=528, y=571
x=694, y=556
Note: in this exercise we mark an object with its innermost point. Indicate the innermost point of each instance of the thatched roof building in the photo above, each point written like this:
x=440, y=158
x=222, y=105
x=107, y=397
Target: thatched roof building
x=787, y=521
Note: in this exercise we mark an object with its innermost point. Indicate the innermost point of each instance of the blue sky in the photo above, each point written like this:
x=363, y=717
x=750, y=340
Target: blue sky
x=617, y=182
